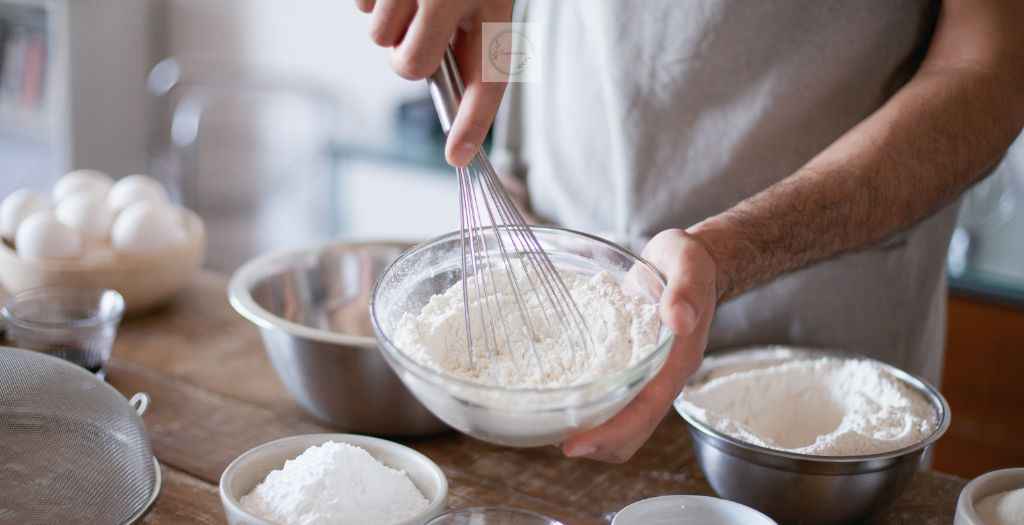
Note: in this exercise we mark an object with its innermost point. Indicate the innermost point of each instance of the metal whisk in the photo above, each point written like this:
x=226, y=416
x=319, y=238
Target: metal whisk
x=497, y=243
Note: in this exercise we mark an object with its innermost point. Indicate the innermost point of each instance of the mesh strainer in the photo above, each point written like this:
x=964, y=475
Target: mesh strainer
x=72, y=450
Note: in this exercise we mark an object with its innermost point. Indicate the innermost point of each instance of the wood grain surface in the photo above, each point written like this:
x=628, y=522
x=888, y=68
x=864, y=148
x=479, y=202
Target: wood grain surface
x=215, y=395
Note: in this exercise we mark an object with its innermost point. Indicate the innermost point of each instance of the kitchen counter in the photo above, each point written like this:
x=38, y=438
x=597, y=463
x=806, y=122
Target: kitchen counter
x=215, y=395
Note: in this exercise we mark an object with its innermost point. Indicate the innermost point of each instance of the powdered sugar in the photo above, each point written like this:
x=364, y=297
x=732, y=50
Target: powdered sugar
x=1005, y=508
x=335, y=483
x=826, y=407
x=624, y=328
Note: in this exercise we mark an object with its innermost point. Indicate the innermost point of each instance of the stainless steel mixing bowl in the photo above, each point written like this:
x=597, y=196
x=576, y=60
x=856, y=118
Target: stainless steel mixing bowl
x=799, y=488
x=312, y=309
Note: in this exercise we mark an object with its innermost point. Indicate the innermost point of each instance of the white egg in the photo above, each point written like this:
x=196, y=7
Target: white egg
x=146, y=227
x=42, y=236
x=88, y=213
x=16, y=207
x=82, y=181
x=133, y=189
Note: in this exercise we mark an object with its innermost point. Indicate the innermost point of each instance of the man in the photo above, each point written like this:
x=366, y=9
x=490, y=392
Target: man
x=793, y=163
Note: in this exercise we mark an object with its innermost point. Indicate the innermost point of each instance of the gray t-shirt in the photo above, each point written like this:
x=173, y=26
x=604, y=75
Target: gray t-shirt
x=656, y=114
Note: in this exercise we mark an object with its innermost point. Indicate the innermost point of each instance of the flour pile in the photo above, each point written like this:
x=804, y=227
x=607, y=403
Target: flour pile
x=1006, y=508
x=335, y=483
x=823, y=407
x=624, y=328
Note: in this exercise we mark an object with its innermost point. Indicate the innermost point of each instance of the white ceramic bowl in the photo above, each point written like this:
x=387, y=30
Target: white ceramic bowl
x=249, y=469
x=689, y=509
x=983, y=486
x=145, y=281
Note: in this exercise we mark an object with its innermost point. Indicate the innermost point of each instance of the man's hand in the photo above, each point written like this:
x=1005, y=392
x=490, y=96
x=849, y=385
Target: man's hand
x=687, y=307
x=419, y=31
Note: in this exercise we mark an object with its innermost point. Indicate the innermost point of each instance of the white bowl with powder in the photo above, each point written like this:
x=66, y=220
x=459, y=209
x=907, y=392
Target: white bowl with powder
x=809, y=436
x=291, y=473
x=994, y=498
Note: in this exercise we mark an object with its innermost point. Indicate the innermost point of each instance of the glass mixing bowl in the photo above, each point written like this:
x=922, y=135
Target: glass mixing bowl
x=518, y=417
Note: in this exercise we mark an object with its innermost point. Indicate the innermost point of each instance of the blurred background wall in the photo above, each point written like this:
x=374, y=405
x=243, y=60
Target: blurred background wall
x=281, y=123
x=324, y=40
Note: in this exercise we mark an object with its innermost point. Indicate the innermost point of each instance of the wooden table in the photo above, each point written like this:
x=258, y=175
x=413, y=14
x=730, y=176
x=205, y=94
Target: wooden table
x=215, y=395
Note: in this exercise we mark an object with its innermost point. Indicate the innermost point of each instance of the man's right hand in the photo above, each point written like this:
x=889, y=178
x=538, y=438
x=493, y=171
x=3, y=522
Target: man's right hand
x=418, y=31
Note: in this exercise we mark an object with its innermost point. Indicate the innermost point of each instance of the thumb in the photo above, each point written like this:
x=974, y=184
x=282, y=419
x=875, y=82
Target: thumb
x=679, y=309
x=691, y=283
x=480, y=100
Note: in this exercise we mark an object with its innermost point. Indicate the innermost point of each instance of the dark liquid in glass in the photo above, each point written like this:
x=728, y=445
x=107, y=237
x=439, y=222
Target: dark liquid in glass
x=89, y=360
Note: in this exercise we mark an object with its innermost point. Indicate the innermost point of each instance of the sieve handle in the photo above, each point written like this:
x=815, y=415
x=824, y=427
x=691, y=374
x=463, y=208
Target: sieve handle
x=446, y=90
x=140, y=402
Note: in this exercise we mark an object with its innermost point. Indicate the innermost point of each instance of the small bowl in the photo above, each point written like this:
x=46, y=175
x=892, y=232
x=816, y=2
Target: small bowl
x=517, y=417
x=801, y=488
x=146, y=281
x=983, y=486
x=492, y=516
x=75, y=324
x=311, y=307
x=252, y=467
x=689, y=509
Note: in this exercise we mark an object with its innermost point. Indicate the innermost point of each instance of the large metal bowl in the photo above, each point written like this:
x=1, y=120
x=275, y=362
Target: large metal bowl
x=799, y=488
x=312, y=309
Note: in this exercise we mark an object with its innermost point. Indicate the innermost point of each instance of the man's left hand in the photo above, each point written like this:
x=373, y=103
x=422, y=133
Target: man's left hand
x=687, y=307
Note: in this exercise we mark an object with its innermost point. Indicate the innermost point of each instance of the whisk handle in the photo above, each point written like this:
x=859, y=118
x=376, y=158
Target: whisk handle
x=446, y=90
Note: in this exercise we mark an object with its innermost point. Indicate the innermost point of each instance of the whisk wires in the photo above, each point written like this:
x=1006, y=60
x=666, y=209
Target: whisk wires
x=497, y=244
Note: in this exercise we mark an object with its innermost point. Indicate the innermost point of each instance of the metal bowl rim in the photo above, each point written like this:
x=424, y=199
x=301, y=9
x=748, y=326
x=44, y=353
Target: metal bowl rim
x=443, y=379
x=240, y=291
x=881, y=460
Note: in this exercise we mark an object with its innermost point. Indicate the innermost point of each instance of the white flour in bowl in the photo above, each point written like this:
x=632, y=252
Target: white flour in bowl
x=624, y=329
x=335, y=483
x=822, y=407
x=1005, y=508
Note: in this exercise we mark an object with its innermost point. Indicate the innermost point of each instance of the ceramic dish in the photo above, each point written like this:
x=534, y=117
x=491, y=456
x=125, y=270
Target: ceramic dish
x=705, y=510
x=249, y=469
x=983, y=486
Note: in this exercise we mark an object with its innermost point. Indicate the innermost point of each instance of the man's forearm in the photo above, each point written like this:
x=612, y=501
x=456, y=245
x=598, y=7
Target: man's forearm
x=939, y=134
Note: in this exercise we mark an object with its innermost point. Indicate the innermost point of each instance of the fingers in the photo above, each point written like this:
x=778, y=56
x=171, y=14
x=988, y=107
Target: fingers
x=420, y=52
x=480, y=101
x=419, y=33
x=390, y=20
x=687, y=307
x=620, y=437
x=365, y=6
